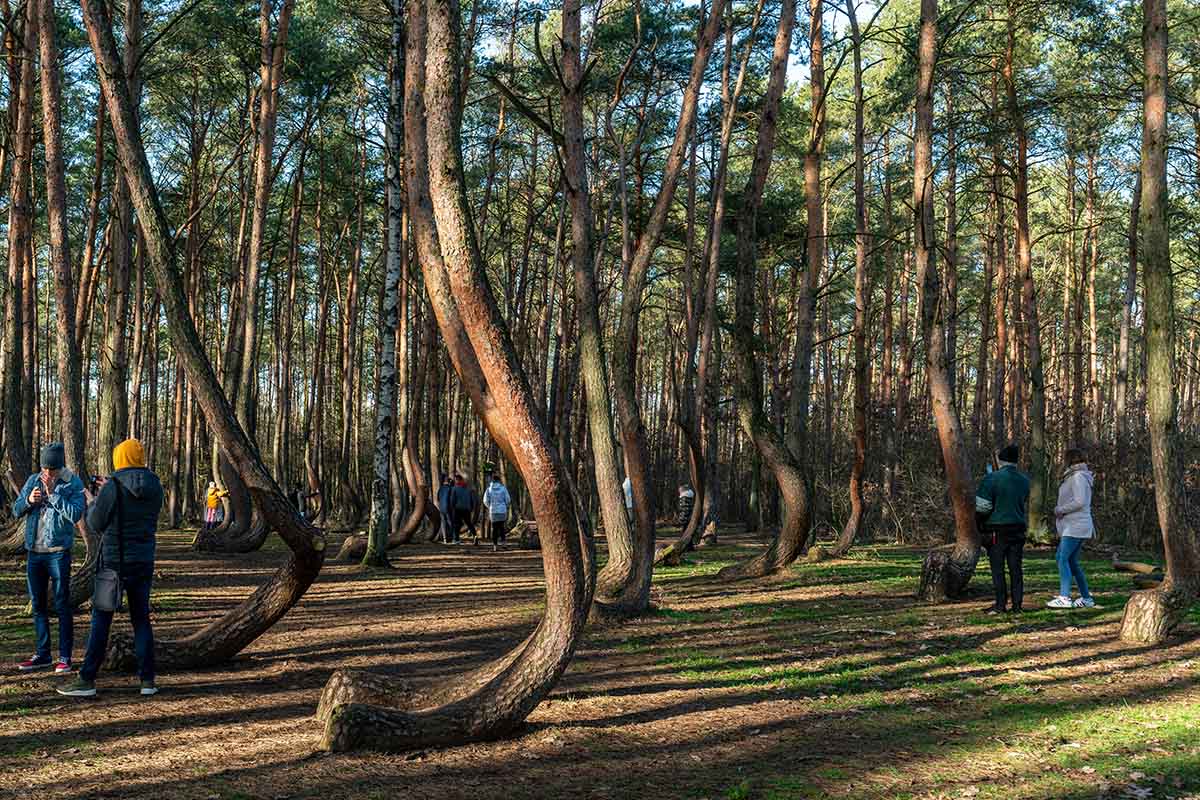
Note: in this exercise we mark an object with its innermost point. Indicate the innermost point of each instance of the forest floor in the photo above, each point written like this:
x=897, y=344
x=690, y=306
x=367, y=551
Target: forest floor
x=829, y=681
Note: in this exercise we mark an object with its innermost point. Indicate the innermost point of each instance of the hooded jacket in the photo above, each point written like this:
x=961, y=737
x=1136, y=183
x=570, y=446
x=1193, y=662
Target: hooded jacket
x=497, y=500
x=132, y=526
x=1074, y=510
x=64, y=504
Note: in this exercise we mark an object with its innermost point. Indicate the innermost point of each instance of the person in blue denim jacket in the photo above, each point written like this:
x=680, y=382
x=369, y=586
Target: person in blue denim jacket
x=52, y=503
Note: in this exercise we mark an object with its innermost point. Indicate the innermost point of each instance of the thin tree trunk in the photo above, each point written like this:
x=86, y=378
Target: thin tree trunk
x=385, y=408
x=1121, y=401
x=862, y=311
x=1032, y=351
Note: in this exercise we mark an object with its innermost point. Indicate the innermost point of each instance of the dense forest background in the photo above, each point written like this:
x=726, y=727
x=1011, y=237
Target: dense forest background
x=279, y=215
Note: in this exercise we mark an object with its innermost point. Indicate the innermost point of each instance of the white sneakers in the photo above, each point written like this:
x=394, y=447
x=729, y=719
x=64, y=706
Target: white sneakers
x=1066, y=602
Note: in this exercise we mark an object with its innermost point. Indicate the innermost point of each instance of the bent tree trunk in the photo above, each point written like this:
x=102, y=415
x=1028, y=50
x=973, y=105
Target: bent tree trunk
x=243, y=530
x=946, y=572
x=628, y=581
x=1152, y=614
x=618, y=592
x=792, y=478
x=364, y=711
x=700, y=428
x=224, y=637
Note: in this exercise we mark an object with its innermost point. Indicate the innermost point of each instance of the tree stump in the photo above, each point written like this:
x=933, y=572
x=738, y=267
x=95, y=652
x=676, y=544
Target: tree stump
x=526, y=532
x=946, y=572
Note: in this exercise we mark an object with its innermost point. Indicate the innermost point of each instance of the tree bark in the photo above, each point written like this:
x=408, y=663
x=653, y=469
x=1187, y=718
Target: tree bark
x=862, y=311
x=1129, y=295
x=385, y=408
x=945, y=573
x=620, y=588
x=364, y=711
x=20, y=223
x=1038, y=468
x=1151, y=615
x=631, y=580
x=225, y=637
x=806, y=307
x=768, y=441
x=114, y=365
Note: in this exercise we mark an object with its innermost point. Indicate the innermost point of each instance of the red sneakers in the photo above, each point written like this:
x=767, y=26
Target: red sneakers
x=61, y=666
x=35, y=663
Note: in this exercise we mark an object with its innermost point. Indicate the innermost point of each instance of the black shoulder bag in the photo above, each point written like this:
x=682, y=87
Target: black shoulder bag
x=107, y=591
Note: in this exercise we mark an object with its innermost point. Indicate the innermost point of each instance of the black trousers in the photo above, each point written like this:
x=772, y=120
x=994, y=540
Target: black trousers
x=1006, y=548
x=463, y=517
x=499, y=530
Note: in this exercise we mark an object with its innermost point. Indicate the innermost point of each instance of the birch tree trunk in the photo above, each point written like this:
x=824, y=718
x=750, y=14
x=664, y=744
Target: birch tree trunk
x=385, y=408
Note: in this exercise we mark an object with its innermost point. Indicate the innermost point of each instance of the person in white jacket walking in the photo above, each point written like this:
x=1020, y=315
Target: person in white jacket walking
x=1073, y=516
x=497, y=501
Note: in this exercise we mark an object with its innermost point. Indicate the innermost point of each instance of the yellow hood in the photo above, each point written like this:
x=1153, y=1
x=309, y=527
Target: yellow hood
x=128, y=454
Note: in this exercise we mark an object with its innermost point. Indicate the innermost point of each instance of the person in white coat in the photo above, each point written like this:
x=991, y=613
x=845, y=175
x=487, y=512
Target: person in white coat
x=497, y=501
x=1073, y=516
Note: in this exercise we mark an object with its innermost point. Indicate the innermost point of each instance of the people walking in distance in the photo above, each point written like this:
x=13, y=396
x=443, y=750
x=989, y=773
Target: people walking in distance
x=497, y=501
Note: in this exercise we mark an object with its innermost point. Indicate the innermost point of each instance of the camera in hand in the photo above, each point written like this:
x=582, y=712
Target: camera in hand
x=94, y=483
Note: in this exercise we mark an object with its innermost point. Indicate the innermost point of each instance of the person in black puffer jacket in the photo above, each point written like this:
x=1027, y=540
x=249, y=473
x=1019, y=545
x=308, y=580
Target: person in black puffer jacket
x=125, y=512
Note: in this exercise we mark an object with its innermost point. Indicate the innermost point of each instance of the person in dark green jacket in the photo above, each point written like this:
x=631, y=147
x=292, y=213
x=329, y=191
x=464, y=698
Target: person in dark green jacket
x=1000, y=512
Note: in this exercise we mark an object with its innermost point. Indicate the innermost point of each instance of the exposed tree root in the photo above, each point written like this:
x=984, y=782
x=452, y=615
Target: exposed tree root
x=946, y=572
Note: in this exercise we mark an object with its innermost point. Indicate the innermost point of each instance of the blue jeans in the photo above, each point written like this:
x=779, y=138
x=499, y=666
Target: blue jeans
x=136, y=578
x=1068, y=566
x=40, y=570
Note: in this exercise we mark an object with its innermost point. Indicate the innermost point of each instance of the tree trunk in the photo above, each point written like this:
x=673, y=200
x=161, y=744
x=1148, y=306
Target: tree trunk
x=703, y=417
x=69, y=380
x=620, y=588
x=385, y=408
x=1029, y=313
x=366, y=711
x=225, y=637
x=631, y=580
x=1152, y=614
x=114, y=365
x=862, y=312
x=806, y=307
x=768, y=441
x=1121, y=401
x=945, y=573
x=20, y=223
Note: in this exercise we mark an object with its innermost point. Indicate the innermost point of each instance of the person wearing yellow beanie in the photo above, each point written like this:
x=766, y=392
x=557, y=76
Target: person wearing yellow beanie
x=125, y=512
x=128, y=454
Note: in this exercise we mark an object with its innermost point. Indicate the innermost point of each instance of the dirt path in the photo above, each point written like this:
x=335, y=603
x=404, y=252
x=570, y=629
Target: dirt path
x=829, y=681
